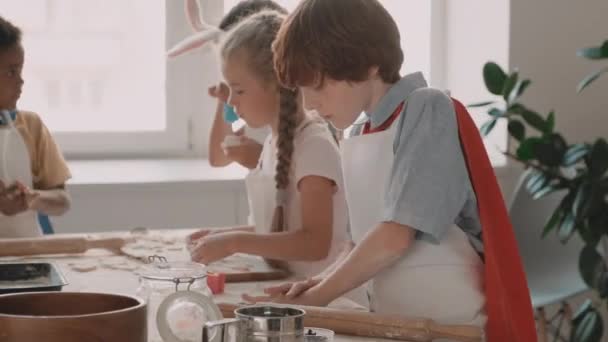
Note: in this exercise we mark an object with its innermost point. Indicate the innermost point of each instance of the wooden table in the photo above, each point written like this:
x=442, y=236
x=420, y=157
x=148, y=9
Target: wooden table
x=126, y=282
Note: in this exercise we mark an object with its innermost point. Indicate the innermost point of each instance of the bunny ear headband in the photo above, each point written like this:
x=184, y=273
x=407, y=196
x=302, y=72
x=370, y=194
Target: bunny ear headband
x=204, y=33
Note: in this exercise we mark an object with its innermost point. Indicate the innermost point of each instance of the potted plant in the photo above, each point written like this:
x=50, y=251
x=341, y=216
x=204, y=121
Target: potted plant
x=580, y=170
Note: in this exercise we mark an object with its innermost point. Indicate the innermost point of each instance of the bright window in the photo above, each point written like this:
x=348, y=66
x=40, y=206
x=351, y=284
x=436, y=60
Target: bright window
x=96, y=70
x=96, y=73
x=89, y=67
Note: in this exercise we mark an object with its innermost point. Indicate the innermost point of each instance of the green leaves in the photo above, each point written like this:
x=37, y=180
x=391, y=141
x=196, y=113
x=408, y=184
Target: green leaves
x=509, y=85
x=592, y=267
x=590, y=79
x=550, y=123
x=593, y=270
x=579, y=170
x=497, y=113
x=519, y=89
x=544, y=192
x=574, y=154
x=514, y=88
x=487, y=127
x=548, y=150
x=587, y=325
x=579, y=200
x=525, y=151
x=594, y=52
x=494, y=78
x=481, y=104
x=536, y=181
x=535, y=120
x=517, y=129
x=553, y=221
x=566, y=228
x=598, y=159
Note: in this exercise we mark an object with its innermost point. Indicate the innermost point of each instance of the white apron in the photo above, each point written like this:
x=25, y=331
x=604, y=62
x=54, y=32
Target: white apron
x=15, y=165
x=261, y=192
x=438, y=281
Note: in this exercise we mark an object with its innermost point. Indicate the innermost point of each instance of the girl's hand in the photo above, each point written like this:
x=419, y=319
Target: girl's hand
x=247, y=153
x=213, y=247
x=220, y=92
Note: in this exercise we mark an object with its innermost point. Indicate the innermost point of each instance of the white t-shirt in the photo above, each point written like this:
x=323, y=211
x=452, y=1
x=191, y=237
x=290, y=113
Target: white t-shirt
x=316, y=153
x=257, y=134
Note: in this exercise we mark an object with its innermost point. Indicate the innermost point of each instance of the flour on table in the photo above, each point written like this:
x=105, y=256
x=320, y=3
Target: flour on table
x=83, y=267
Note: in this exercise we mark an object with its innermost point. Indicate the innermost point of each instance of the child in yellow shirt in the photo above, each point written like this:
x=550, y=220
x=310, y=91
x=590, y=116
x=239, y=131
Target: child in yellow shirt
x=33, y=171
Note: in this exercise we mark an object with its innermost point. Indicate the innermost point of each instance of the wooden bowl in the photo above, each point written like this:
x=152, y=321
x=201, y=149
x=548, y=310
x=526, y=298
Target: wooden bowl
x=72, y=317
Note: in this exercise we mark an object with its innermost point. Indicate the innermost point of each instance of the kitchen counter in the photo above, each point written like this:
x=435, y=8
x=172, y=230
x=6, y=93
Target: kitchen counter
x=100, y=277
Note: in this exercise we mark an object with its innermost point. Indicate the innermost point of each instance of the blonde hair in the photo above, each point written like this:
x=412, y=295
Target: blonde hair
x=254, y=36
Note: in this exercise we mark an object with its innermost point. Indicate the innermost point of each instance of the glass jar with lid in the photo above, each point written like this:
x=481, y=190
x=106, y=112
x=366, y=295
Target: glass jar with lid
x=178, y=298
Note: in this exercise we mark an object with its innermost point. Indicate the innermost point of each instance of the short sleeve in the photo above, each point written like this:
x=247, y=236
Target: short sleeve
x=427, y=186
x=317, y=154
x=49, y=167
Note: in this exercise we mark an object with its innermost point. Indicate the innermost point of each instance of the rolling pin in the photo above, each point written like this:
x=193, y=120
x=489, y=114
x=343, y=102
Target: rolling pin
x=58, y=245
x=366, y=324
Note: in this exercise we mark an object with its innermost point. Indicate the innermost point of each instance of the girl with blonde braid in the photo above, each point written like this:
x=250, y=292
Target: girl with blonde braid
x=296, y=192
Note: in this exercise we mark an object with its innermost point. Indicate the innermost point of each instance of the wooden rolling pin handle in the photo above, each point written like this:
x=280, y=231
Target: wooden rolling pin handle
x=113, y=243
x=42, y=245
x=462, y=333
x=367, y=324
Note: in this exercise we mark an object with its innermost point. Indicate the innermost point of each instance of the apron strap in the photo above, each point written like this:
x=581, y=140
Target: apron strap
x=386, y=124
x=7, y=119
x=508, y=303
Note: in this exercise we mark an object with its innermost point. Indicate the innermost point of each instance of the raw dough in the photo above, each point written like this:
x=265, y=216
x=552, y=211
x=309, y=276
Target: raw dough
x=119, y=263
x=83, y=267
x=172, y=248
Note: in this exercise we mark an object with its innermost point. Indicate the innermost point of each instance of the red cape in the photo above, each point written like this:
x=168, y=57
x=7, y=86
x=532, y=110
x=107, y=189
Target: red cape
x=508, y=303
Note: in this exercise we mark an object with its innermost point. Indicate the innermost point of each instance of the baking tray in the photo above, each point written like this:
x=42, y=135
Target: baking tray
x=30, y=277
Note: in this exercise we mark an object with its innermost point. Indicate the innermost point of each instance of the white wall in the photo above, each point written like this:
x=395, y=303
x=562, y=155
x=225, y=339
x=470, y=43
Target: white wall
x=477, y=31
x=540, y=38
x=545, y=35
x=157, y=194
x=190, y=75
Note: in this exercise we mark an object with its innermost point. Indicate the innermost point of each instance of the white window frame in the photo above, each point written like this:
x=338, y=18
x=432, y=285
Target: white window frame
x=438, y=41
x=189, y=111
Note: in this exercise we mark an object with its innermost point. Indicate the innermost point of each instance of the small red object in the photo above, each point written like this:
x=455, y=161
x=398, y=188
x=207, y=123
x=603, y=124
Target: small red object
x=216, y=282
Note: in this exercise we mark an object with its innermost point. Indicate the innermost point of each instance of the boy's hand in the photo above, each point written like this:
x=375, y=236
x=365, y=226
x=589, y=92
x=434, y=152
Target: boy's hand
x=292, y=290
x=13, y=200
